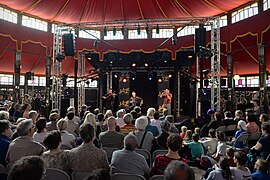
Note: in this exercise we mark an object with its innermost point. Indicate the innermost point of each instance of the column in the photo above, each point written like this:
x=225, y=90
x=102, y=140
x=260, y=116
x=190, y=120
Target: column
x=17, y=73
x=262, y=76
x=48, y=78
x=230, y=80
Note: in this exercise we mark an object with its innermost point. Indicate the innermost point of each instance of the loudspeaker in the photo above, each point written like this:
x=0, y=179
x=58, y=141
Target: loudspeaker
x=200, y=38
x=69, y=44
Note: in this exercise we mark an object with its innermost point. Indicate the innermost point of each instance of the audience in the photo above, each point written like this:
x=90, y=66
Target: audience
x=150, y=128
x=240, y=171
x=111, y=138
x=119, y=120
x=165, y=113
x=54, y=116
x=33, y=115
x=92, y=157
x=171, y=120
x=221, y=145
x=222, y=170
x=26, y=109
x=238, y=115
x=75, y=118
x=156, y=122
x=242, y=129
x=18, y=112
x=174, y=143
x=101, y=127
x=25, y=130
x=251, y=126
x=73, y=127
x=99, y=174
x=210, y=142
x=188, y=136
x=28, y=167
x=55, y=157
x=264, y=118
x=177, y=170
x=262, y=170
x=228, y=119
x=150, y=113
x=68, y=139
x=183, y=131
x=127, y=160
x=128, y=127
x=90, y=118
x=216, y=122
x=196, y=147
x=160, y=142
x=5, y=135
x=41, y=132
x=144, y=138
x=230, y=156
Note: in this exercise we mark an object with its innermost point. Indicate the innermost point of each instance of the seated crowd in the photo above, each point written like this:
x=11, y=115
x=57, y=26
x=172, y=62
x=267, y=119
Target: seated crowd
x=78, y=143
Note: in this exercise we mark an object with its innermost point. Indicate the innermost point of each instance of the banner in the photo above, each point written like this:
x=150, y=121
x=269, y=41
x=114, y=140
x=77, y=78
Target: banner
x=161, y=87
x=124, y=95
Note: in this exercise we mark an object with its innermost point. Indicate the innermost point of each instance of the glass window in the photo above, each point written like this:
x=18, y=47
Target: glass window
x=22, y=80
x=133, y=34
x=266, y=4
x=92, y=83
x=245, y=13
x=34, y=23
x=111, y=36
x=70, y=82
x=42, y=81
x=86, y=34
x=8, y=15
x=188, y=30
x=6, y=79
x=33, y=82
x=163, y=33
x=223, y=21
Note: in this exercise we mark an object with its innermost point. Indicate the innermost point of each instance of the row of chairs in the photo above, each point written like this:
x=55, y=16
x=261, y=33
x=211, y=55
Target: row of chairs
x=248, y=140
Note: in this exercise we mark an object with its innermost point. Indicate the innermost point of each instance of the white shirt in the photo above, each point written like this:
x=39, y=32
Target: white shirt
x=75, y=119
x=237, y=174
x=156, y=123
x=211, y=145
x=221, y=148
x=67, y=138
x=39, y=137
x=120, y=122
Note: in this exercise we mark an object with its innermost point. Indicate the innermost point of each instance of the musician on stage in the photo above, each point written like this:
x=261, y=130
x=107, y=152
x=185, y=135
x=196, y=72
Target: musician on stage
x=167, y=99
x=109, y=99
x=135, y=100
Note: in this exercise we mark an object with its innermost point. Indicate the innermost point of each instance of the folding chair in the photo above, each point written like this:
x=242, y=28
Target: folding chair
x=79, y=175
x=242, y=138
x=221, y=128
x=253, y=139
x=157, y=177
x=125, y=176
x=157, y=152
x=230, y=130
x=53, y=173
x=145, y=154
x=109, y=151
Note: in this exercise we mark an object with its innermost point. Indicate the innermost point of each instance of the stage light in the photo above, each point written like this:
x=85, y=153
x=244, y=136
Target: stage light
x=166, y=56
x=170, y=76
x=139, y=30
x=115, y=76
x=105, y=31
x=190, y=56
x=146, y=64
x=133, y=76
x=133, y=64
x=123, y=30
x=114, y=31
x=147, y=29
x=160, y=79
x=157, y=29
x=150, y=76
x=124, y=79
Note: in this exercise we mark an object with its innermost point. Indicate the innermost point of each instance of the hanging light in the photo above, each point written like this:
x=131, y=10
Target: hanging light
x=114, y=31
x=157, y=29
x=236, y=77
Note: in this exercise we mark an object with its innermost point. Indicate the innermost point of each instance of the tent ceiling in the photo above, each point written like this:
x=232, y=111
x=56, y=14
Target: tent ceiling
x=102, y=11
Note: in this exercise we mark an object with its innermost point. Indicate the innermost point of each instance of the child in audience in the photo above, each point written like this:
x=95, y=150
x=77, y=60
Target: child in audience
x=230, y=155
x=196, y=147
x=188, y=136
x=183, y=131
x=240, y=171
x=262, y=170
x=197, y=130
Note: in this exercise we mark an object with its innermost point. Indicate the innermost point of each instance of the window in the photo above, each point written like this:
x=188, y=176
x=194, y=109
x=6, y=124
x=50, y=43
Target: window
x=244, y=13
x=22, y=80
x=241, y=82
x=6, y=79
x=34, y=23
x=253, y=81
x=8, y=15
x=42, y=81
x=110, y=35
x=163, y=33
x=92, y=83
x=33, y=82
x=133, y=34
x=84, y=34
x=188, y=30
x=223, y=21
x=70, y=82
x=266, y=4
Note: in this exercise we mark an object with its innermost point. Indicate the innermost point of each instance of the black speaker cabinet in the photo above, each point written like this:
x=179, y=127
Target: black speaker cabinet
x=200, y=38
x=69, y=44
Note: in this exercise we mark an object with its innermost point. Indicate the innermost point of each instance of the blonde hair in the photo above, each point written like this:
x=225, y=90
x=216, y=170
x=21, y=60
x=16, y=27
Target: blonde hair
x=150, y=111
x=184, y=128
x=197, y=130
x=90, y=117
x=62, y=124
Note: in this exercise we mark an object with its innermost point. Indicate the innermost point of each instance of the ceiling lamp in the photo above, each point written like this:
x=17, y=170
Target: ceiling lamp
x=157, y=29
x=114, y=31
x=236, y=77
x=105, y=31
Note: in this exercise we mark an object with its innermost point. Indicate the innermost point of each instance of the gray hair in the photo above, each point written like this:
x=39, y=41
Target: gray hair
x=4, y=115
x=165, y=126
x=24, y=127
x=150, y=111
x=170, y=171
x=71, y=108
x=239, y=112
x=169, y=118
x=32, y=113
x=130, y=142
x=120, y=113
x=141, y=123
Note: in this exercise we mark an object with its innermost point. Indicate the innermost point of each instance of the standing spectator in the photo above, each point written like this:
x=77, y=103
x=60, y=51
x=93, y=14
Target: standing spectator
x=73, y=127
x=55, y=157
x=12, y=109
x=156, y=122
x=36, y=103
x=33, y=115
x=263, y=144
x=82, y=111
x=128, y=127
x=258, y=110
x=240, y=171
x=178, y=169
x=87, y=157
x=264, y=118
x=111, y=138
x=144, y=138
x=119, y=120
x=127, y=160
x=251, y=126
x=29, y=167
x=25, y=130
x=68, y=139
x=26, y=109
x=53, y=120
x=41, y=132
x=262, y=170
x=171, y=120
x=26, y=99
x=4, y=140
x=174, y=143
x=75, y=118
x=223, y=103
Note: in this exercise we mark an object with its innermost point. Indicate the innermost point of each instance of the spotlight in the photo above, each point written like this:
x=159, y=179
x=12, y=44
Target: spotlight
x=139, y=30
x=170, y=76
x=124, y=79
x=89, y=58
x=123, y=30
x=133, y=76
x=150, y=76
x=114, y=31
x=160, y=79
x=147, y=29
x=157, y=29
x=105, y=31
x=95, y=44
x=190, y=56
x=133, y=64
x=146, y=64
x=115, y=76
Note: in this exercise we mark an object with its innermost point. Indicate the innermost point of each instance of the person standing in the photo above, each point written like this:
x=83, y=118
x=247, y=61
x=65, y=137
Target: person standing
x=167, y=97
x=135, y=100
x=109, y=100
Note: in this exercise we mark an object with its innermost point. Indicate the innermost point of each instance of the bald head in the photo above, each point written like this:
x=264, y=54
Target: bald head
x=130, y=142
x=111, y=123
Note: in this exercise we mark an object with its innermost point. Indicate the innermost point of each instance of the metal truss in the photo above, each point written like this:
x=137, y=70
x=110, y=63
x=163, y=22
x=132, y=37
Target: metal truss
x=215, y=64
x=81, y=85
x=56, y=90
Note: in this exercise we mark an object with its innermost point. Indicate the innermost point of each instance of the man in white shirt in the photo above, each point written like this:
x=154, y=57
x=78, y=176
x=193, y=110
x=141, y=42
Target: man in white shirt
x=119, y=120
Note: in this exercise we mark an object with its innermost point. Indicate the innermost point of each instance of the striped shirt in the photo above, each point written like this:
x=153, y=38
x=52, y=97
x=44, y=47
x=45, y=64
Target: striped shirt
x=161, y=162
